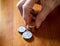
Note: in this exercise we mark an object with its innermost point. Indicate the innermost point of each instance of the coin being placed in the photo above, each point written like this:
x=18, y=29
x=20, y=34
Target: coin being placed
x=21, y=29
x=27, y=35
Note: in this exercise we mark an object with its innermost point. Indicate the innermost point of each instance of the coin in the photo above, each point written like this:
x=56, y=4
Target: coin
x=21, y=29
x=27, y=35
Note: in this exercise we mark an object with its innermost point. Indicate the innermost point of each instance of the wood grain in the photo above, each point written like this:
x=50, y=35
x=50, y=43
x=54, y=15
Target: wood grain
x=10, y=19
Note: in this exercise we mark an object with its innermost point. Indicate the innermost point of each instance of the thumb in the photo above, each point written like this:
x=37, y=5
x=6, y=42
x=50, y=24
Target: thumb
x=41, y=16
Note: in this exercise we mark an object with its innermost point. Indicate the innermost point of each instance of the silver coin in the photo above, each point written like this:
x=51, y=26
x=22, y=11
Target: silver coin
x=21, y=29
x=27, y=35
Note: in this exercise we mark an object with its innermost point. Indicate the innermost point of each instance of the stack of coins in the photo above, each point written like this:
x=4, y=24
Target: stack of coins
x=26, y=34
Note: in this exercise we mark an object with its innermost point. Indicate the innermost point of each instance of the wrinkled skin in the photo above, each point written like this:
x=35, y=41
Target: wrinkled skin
x=25, y=7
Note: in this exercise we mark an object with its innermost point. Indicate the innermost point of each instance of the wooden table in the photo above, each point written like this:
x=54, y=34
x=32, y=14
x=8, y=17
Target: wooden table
x=10, y=20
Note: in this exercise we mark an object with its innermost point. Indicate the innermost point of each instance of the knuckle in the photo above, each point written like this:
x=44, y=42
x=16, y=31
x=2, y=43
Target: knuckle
x=18, y=4
x=24, y=7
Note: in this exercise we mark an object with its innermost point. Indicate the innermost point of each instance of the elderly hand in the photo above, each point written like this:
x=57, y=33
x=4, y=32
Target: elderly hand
x=25, y=6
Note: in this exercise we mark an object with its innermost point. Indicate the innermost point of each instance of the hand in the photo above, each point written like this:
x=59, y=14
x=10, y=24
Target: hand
x=48, y=6
x=25, y=7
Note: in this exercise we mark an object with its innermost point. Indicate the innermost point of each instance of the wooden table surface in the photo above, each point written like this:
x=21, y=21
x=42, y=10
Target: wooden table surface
x=10, y=20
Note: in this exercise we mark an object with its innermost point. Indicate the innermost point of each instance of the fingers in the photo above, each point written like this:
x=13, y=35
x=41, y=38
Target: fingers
x=41, y=16
x=20, y=4
x=26, y=10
